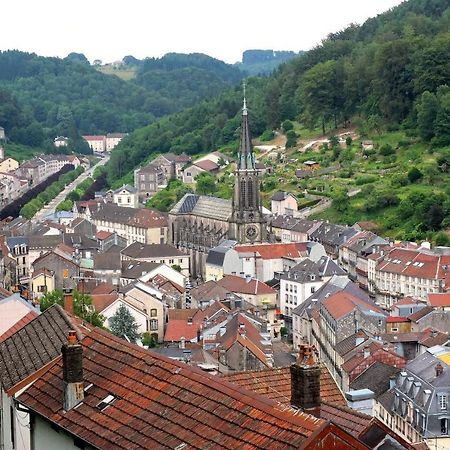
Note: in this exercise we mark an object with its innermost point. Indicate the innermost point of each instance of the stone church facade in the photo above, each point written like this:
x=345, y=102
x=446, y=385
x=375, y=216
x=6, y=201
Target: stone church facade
x=198, y=223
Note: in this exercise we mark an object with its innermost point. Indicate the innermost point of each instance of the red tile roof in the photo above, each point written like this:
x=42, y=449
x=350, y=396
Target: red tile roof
x=275, y=251
x=102, y=301
x=439, y=300
x=240, y=285
x=414, y=263
x=342, y=303
x=101, y=235
x=104, y=288
x=396, y=319
x=347, y=418
x=160, y=403
x=26, y=319
x=276, y=384
x=177, y=329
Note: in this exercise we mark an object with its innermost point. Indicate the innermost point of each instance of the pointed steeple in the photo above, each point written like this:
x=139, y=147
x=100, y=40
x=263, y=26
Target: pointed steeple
x=246, y=156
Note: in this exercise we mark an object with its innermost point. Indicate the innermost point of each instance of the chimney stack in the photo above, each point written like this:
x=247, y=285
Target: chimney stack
x=68, y=300
x=305, y=381
x=72, y=356
x=439, y=369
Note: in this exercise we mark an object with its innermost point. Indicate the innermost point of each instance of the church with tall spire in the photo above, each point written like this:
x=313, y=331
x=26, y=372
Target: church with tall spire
x=198, y=223
x=247, y=222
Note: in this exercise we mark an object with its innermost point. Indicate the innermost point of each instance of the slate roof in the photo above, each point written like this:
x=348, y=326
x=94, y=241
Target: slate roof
x=160, y=402
x=276, y=384
x=216, y=255
x=18, y=325
x=280, y=196
x=34, y=345
x=127, y=188
x=135, y=269
x=204, y=206
x=376, y=378
x=137, y=250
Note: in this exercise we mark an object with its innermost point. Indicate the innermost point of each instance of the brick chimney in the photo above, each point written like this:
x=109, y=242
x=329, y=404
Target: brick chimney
x=68, y=300
x=439, y=368
x=305, y=381
x=72, y=356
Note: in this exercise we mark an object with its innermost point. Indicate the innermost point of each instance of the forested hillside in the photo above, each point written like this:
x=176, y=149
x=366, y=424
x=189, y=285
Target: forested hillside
x=391, y=73
x=47, y=97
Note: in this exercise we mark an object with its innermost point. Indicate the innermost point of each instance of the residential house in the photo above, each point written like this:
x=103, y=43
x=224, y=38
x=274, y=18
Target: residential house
x=108, y=268
x=141, y=225
x=354, y=252
x=148, y=180
x=132, y=271
x=303, y=280
x=107, y=240
x=193, y=325
x=42, y=281
x=8, y=165
x=176, y=422
x=18, y=249
x=406, y=306
x=22, y=362
x=220, y=260
x=332, y=236
x=126, y=196
x=61, y=141
x=262, y=261
x=63, y=263
x=417, y=407
x=157, y=253
x=172, y=165
x=112, y=140
x=283, y=203
x=198, y=167
x=96, y=143
x=252, y=290
x=289, y=229
x=241, y=346
x=148, y=300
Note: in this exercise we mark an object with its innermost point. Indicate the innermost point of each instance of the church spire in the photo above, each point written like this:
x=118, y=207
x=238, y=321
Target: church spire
x=246, y=156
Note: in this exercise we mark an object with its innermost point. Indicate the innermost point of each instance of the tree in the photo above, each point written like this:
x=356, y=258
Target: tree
x=441, y=239
x=414, y=175
x=340, y=201
x=82, y=305
x=427, y=110
x=148, y=340
x=206, y=184
x=123, y=324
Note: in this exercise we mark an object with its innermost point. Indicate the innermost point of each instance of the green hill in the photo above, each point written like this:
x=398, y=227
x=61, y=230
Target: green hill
x=388, y=74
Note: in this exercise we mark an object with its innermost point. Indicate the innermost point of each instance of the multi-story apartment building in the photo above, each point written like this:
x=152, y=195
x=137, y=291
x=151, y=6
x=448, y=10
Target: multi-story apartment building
x=396, y=272
x=135, y=225
x=340, y=316
x=289, y=229
x=113, y=139
x=303, y=280
x=418, y=405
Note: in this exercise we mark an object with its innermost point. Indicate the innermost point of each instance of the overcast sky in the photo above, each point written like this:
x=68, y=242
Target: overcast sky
x=111, y=29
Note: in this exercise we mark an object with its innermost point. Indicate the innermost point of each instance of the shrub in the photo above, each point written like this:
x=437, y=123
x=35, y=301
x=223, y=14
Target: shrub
x=414, y=175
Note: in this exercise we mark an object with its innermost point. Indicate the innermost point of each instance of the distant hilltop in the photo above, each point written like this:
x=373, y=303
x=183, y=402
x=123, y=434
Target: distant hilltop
x=258, y=62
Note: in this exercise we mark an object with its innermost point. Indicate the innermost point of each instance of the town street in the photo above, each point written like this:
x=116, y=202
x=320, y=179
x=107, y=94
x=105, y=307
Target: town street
x=51, y=206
